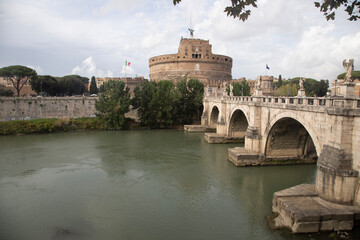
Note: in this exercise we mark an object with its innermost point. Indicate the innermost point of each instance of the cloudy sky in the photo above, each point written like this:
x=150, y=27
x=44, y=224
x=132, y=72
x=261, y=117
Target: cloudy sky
x=96, y=37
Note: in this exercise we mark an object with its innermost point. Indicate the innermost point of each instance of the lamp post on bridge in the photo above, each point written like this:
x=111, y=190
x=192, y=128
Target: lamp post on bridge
x=335, y=87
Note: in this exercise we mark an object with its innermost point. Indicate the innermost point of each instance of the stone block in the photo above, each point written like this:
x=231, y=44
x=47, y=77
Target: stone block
x=305, y=227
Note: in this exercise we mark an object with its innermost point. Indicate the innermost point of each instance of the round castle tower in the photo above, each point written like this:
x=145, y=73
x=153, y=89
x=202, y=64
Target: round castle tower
x=193, y=60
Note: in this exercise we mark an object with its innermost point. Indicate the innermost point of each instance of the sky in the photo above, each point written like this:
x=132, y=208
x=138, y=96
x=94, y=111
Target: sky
x=95, y=38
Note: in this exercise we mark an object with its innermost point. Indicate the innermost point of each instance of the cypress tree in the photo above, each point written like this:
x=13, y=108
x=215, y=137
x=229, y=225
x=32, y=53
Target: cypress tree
x=93, y=88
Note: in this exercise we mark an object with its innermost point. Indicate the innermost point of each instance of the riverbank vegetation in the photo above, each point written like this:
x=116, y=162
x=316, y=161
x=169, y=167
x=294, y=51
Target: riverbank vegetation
x=50, y=125
x=164, y=105
x=113, y=104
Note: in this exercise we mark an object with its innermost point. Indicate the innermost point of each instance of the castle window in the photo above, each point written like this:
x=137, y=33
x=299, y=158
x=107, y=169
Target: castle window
x=195, y=55
x=226, y=59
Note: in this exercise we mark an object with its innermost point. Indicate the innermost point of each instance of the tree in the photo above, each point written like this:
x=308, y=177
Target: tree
x=189, y=100
x=6, y=92
x=45, y=83
x=163, y=104
x=239, y=8
x=355, y=75
x=143, y=95
x=312, y=87
x=328, y=7
x=93, y=87
x=279, y=83
x=289, y=89
x=113, y=104
x=72, y=85
x=18, y=75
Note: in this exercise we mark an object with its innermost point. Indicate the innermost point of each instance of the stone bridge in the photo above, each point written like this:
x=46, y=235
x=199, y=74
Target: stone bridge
x=279, y=130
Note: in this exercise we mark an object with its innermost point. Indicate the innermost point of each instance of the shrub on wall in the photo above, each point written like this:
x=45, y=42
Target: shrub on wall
x=50, y=125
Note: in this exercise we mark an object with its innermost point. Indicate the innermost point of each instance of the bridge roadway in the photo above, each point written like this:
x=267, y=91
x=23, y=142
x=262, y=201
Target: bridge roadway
x=280, y=130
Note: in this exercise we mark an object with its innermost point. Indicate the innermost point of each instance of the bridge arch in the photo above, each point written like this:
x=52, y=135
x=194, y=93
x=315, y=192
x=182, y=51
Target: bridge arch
x=290, y=135
x=214, y=116
x=238, y=123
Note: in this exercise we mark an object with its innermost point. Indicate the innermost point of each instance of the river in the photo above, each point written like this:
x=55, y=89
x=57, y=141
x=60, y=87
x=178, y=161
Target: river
x=141, y=184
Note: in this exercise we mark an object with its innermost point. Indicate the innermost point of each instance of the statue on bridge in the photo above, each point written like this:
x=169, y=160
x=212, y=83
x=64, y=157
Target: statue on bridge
x=224, y=89
x=349, y=67
x=258, y=83
x=301, y=83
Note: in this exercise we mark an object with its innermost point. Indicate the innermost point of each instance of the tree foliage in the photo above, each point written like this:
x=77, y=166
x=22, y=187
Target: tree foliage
x=241, y=89
x=72, y=85
x=45, y=83
x=143, y=95
x=279, y=83
x=93, y=87
x=190, y=100
x=355, y=75
x=161, y=105
x=312, y=87
x=328, y=7
x=60, y=86
x=113, y=104
x=289, y=89
x=18, y=75
x=6, y=92
x=240, y=8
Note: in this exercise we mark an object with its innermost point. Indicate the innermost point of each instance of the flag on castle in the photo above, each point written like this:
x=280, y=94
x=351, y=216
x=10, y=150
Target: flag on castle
x=127, y=63
x=267, y=67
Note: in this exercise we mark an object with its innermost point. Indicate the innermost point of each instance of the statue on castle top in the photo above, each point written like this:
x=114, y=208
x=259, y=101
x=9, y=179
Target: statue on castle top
x=301, y=83
x=191, y=32
x=349, y=67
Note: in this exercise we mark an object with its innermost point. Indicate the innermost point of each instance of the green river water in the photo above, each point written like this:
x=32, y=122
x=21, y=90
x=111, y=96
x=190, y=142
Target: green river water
x=158, y=184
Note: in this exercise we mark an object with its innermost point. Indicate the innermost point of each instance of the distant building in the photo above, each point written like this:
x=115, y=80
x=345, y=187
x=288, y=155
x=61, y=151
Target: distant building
x=194, y=59
x=339, y=82
x=266, y=84
x=26, y=90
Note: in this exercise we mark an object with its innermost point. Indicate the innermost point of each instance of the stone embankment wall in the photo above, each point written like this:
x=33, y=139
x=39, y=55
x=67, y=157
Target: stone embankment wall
x=20, y=108
x=24, y=108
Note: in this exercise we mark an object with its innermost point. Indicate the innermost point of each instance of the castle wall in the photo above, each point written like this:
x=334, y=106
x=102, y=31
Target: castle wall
x=193, y=60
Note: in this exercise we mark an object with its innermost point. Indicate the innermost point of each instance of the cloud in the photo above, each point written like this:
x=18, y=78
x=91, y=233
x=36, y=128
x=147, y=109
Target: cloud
x=319, y=54
x=88, y=68
x=292, y=36
x=38, y=69
x=116, y=5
